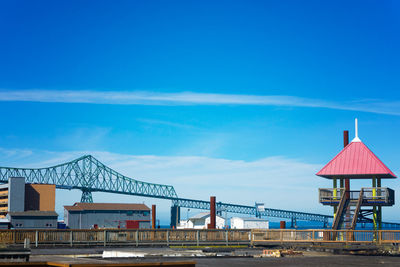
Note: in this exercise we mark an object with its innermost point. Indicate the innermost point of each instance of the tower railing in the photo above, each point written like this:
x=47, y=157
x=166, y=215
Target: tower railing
x=372, y=196
x=330, y=195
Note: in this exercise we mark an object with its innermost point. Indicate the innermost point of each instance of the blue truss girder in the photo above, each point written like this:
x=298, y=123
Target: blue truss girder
x=251, y=210
x=89, y=175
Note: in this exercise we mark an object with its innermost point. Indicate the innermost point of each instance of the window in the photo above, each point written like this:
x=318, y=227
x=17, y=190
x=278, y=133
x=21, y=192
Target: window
x=129, y=213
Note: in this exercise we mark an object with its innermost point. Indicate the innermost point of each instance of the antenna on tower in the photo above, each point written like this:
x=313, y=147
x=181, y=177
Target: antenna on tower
x=356, y=139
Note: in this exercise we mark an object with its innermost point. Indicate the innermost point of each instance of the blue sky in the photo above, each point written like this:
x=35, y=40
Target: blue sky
x=264, y=88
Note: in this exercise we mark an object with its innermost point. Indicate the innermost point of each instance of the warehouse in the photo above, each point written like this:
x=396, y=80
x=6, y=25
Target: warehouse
x=106, y=215
x=33, y=219
x=200, y=221
x=249, y=223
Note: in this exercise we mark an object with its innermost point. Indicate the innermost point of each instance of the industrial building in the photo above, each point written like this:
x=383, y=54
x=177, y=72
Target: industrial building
x=106, y=215
x=40, y=197
x=27, y=206
x=12, y=196
x=249, y=223
x=33, y=219
x=201, y=221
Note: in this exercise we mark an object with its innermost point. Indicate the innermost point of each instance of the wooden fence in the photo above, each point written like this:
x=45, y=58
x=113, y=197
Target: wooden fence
x=126, y=237
x=170, y=237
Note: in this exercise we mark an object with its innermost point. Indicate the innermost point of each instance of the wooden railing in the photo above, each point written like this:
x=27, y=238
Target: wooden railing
x=129, y=237
x=326, y=236
x=193, y=237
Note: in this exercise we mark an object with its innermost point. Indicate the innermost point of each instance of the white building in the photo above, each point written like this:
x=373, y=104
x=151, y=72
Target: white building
x=200, y=221
x=249, y=223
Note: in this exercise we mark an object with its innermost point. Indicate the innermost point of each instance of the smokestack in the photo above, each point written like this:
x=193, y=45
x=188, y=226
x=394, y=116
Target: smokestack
x=153, y=216
x=346, y=181
x=345, y=138
x=212, y=224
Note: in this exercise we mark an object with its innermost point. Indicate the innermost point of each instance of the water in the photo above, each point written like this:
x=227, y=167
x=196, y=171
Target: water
x=302, y=225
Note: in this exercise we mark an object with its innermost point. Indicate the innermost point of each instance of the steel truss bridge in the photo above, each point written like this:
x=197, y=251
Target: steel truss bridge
x=90, y=175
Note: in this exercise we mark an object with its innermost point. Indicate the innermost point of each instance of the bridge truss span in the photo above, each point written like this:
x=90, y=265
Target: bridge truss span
x=251, y=210
x=88, y=175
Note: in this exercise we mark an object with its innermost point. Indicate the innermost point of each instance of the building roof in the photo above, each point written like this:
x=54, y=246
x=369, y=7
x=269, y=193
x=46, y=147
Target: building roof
x=356, y=160
x=105, y=206
x=250, y=219
x=202, y=215
x=34, y=213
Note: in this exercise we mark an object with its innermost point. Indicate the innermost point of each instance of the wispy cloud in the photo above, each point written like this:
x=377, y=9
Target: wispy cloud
x=166, y=123
x=192, y=98
x=278, y=181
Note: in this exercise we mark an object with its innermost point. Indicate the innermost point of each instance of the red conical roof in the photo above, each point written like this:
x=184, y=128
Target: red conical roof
x=356, y=160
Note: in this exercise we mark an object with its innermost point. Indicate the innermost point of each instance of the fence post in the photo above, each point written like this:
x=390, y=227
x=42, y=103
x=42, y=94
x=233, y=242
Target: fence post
x=380, y=237
x=105, y=237
x=226, y=237
x=15, y=236
x=36, y=238
x=197, y=237
x=70, y=238
x=281, y=236
x=167, y=237
x=137, y=238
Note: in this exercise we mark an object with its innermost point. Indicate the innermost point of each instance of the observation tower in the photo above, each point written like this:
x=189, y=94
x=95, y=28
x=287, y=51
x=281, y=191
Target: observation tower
x=356, y=161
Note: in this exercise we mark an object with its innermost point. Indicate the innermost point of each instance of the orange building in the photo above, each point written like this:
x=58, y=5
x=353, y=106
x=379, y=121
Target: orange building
x=40, y=197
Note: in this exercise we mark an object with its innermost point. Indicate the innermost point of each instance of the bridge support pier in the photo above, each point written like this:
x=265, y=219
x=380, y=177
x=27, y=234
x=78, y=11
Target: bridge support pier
x=86, y=196
x=175, y=215
x=293, y=223
x=325, y=223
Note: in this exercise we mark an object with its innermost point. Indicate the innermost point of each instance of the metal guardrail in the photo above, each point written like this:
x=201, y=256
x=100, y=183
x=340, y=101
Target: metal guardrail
x=170, y=237
x=371, y=196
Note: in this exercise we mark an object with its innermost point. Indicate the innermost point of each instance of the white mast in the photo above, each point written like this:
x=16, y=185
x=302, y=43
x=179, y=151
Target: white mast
x=356, y=139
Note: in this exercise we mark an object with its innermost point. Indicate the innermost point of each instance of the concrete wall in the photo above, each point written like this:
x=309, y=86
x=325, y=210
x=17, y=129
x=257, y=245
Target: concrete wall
x=104, y=219
x=16, y=194
x=30, y=222
x=40, y=197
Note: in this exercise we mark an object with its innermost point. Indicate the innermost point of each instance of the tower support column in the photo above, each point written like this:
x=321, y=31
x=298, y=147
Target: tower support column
x=374, y=210
x=379, y=185
x=334, y=196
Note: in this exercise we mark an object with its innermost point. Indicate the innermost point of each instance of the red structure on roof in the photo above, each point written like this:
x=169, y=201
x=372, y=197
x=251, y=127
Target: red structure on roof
x=356, y=160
